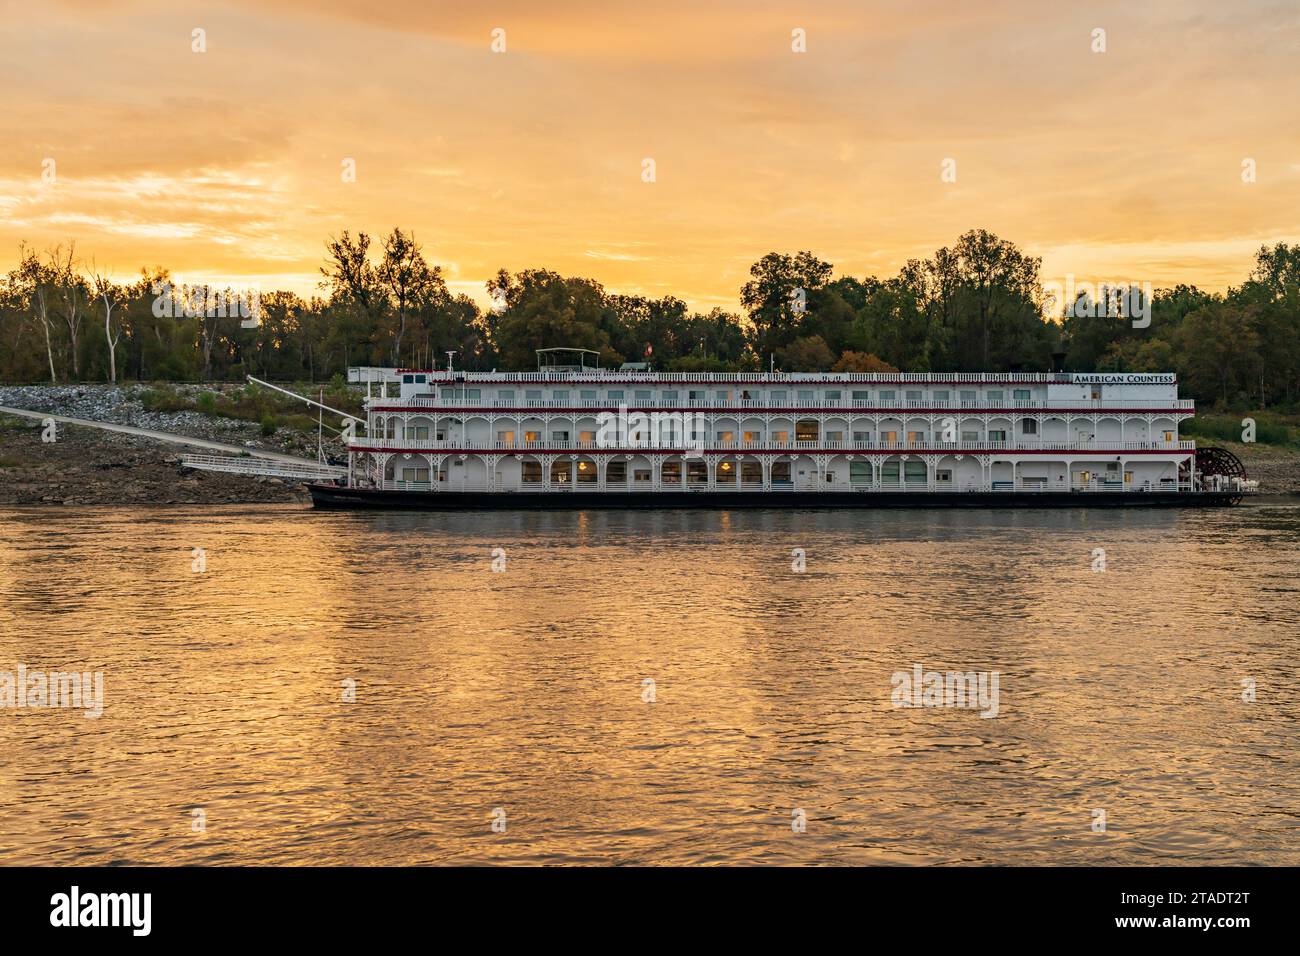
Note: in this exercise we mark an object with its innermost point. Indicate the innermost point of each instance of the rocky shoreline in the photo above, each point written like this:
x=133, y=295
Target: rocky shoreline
x=87, y=466
x=91, y=467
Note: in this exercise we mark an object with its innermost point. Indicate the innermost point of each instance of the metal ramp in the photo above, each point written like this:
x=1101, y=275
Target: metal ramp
x=238, y=465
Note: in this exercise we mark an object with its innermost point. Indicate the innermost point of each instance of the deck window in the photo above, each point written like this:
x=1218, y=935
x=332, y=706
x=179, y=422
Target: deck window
x=968, y=396
x=644, y=395
x=916, y=438
x=914, y=472
x=995, y=395
x=1028, y=426
x=1021, y=394
x=832, y=395
x=531, y=437
x=506, y=438
x=531, y=473
x=913, y=395
x=970, y=436
x=616, y=395
x=806, y=395
x=641, y=474
x=941, y=395
x=859, y=472
x=777, y=396
x=861, y=395
x=505, y=395
x=559, y=436
x=997, y=434
x=616, y=473
x=862, y=436
x=587, y=394
x=886, y=394
x=780, y=437
x=560, y=394
x=753, y=436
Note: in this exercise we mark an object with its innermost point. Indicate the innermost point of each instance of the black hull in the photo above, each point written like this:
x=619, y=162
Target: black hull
x=335, y=497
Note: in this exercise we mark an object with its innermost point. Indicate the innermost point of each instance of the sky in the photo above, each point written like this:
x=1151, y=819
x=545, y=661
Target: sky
x=227, y=165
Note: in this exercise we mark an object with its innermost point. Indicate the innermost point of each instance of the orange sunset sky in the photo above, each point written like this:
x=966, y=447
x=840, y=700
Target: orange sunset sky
x=225, y=165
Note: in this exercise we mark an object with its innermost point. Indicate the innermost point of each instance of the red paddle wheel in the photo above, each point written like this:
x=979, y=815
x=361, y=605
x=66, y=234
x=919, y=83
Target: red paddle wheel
x=1212, y=461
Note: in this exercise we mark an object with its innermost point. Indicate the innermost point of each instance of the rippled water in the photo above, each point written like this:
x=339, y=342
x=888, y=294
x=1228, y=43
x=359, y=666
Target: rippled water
x=522, y=690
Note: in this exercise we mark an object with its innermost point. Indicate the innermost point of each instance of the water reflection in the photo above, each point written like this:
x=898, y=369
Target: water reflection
x=522, y=690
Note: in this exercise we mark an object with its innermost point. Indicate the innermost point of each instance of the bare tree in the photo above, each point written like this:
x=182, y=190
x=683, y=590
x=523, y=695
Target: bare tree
x=201, y=302
x=111, y=296
x=70, y=288
x=33, y=279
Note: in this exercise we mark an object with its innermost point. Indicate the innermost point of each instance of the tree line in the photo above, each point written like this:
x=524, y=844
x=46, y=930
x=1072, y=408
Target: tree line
x=978, y=305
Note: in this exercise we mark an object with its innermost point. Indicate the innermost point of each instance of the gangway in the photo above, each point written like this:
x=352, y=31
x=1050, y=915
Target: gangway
x=239, y=465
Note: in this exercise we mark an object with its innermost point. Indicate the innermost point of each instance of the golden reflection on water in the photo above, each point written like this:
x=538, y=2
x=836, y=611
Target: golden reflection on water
x=522, y=690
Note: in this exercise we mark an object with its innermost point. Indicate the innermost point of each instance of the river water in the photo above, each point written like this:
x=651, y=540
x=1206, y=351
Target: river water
x=335, y=688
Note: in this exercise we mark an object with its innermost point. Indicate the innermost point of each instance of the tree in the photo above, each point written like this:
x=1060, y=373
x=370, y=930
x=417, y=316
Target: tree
x=543, y=309
x=776, y=297
x=71, y=296
x=807, y=354
x=408, y=281
x=110, y=297
x=36, y=282
x=861, y=362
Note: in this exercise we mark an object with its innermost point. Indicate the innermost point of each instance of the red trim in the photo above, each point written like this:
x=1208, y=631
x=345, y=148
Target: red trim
x=760, y=451
x=749, y=411
x=442, y=376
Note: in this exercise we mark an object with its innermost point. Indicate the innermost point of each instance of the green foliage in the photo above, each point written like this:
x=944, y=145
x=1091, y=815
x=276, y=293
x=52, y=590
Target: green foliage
x=1270, y=429
x=976, y=305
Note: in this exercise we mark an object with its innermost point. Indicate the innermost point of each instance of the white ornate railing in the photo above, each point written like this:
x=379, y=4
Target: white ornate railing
x=635, y=404
x=743, y=447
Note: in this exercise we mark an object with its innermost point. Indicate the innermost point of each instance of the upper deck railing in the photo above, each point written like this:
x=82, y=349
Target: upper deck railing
x=635, y=404
x=611, y=375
